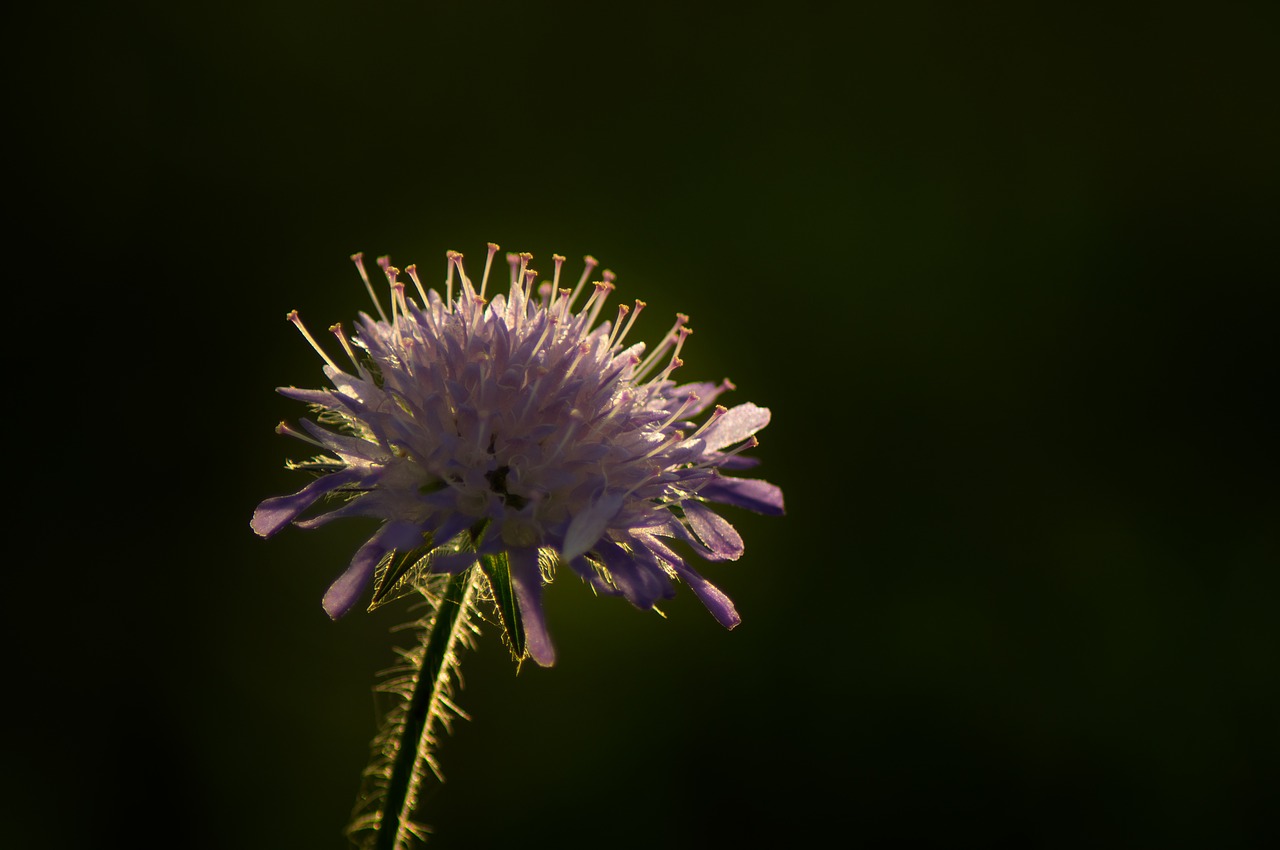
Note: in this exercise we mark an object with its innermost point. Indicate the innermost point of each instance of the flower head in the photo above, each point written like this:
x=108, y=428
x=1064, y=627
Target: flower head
x=525, y=427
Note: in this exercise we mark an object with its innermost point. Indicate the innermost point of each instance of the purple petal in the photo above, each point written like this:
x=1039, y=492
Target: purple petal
x=527, y=579
x=365, y=505
x=323, y=398
x=452, y=525
x=673, y=527
x=277, y=512
x=346, y=590
x=750, y=493
x=735, y=425
x=343, y=593
x=714, y=530
x=351, y=388
x=636, y=574
x=590, y=574
x=720, y=605
x=345, y=445
x=704, y=390
x=588, y=526
x=402, y=535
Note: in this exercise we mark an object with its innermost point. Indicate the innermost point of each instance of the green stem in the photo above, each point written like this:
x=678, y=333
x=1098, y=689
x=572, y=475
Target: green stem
x=424, y=705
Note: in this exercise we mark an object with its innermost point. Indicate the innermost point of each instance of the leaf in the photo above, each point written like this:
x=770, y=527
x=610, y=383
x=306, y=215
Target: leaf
x=397, y=574
x=498, y=570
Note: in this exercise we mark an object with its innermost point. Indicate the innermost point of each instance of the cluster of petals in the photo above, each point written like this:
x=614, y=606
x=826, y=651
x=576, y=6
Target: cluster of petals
x=522, y=425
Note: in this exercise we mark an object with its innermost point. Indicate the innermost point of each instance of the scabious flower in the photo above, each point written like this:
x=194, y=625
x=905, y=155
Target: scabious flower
x=523, y=426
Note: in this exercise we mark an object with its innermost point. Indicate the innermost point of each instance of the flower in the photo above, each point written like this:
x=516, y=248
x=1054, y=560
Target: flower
x=520, y=426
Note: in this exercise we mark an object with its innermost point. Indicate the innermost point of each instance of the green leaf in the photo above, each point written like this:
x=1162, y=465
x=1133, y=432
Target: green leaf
x=397, y=574
x=498, y=570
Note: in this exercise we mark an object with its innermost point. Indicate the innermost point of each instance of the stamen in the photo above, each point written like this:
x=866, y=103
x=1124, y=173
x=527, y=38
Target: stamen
x=623, y=403
x=750, y=443
x=477, y=316
x=570, y=431
x=525, y=257
x=675, y=364
x=358, y=259
x=412, y=272
x=720, y=410
x=684, y=333
x=676, y=437
x=595, y=313
x=562, y=303
x=587, y=316
x=482, y=433
x=640, y=305
x=529, y=275
x=623, y=309
x=284, y=429
x=488, y=261
x=652, y=358
x=531, y=396
x=591, y=262
x=397, y=298
x=297, y=322
x=337, y=331
x=689, y=399
x=427, y=310
x=451, y=257
x=465, y=281
x=391, y=272
x=583, y=351
x=555, y=278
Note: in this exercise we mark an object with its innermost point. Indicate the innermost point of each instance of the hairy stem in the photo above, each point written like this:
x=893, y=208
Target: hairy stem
x=405, y=747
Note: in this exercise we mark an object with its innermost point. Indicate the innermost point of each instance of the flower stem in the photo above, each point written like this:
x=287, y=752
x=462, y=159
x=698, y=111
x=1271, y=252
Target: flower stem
x=427, y=705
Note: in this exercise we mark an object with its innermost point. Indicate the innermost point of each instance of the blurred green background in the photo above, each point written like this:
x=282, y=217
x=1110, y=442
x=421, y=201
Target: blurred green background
x=1005, y=275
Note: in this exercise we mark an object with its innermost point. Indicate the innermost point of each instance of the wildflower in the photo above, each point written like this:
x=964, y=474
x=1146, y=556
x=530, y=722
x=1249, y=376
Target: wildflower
x=522, y=427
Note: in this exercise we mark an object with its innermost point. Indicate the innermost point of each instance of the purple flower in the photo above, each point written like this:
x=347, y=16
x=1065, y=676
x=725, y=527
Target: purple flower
x=523, y=426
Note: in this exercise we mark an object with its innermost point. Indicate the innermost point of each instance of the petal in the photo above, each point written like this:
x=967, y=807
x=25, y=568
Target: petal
x=588, y=526
x=714, y=530
x=673, y=527
x=323, y=398
x=720, y=605
x=350, y=387
x=343, y=593
x=750, y=493
x=587, y=572
x=277, y=512
x=706, y=392
x=735, y=425
x=527, y=579
x=345, y=445
x=636, y=573
x=364, y=505
x=450, y=527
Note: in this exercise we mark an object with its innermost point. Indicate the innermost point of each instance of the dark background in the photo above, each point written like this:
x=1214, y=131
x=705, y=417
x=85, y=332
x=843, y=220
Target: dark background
x=1006, y=277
